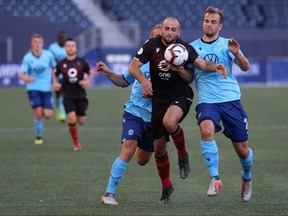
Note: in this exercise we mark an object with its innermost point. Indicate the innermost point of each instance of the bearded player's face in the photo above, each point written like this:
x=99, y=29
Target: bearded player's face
x=70, y=47
x=170, y=31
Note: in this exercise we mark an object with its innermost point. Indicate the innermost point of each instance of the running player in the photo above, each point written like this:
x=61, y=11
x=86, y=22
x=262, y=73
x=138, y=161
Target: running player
x=74, y=83
x=171, y=98
x=36, y=71
x=136, y=127
x=59, y=53
x=219, y=100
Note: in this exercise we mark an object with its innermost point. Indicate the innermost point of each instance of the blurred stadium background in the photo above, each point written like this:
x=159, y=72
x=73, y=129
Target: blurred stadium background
x=113, y=30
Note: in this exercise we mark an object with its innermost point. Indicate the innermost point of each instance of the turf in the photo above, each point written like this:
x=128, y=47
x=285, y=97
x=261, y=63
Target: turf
x=51, y=179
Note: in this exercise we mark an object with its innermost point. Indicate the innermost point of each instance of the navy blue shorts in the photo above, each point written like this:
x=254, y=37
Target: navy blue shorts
x=134, y=128
x=232, y=115
x=40, y=99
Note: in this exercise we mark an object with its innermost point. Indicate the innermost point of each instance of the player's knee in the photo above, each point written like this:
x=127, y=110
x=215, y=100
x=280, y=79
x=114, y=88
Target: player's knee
x=141, y=161
x=170, y=126
x=206, y=134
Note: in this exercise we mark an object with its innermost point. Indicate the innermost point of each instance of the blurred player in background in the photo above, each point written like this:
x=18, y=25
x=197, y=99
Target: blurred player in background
x=171, y=98
x=136, y=127
x=219, y=100
x=36, y=70
x=73, y=86
x=59, y=53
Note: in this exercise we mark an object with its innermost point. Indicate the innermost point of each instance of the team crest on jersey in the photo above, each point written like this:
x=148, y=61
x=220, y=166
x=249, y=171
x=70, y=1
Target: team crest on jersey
x=140, y=51
x=219, y=44
x=157, y=49
x=64, y=65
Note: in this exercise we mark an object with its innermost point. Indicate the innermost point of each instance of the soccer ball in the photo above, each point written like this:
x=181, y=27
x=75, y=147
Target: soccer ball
x=176, y=54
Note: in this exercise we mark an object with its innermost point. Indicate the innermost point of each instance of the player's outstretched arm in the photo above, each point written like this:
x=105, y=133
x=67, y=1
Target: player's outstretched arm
x=241, y=61
x=134, y=70
x=211, y=67
x=116, y=79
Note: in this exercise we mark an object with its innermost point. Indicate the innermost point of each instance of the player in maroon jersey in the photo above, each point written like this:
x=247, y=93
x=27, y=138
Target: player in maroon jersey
x=171, y=97
x=73, y=85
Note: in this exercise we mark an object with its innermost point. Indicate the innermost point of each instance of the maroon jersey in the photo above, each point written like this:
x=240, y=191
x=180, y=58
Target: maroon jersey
x=166, y=84
x=73, y=72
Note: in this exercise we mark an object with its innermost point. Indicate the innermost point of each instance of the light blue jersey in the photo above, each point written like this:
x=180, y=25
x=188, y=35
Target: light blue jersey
x=211, y=86
x=58, y=52
x=40, y=69
x=137, y=105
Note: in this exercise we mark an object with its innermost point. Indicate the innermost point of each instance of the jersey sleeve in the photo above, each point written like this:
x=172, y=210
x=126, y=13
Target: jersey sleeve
x=143, y=53
x=25, y=65
x=128, y=77
x=86, y=67
x=58, y=71
x=193, y=55
x=52, y=60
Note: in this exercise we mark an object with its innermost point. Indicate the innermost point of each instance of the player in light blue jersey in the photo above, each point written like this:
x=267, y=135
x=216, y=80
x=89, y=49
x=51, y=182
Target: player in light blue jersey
x=219, y=100
x=59, y=54
x=136, y=125
x=36, y=71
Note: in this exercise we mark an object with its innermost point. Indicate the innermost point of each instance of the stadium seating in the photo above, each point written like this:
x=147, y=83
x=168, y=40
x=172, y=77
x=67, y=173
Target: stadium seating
x=270, y=14
x=51, y=10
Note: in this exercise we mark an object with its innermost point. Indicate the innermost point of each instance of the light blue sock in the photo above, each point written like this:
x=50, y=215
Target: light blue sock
x=58, y=102
x=211, y=156
x=62, y=110
x=117, y=172
x=247, y=165
x=38, y=128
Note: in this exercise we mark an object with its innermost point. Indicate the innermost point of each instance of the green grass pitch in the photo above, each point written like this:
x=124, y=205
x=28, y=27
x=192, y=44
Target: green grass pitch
x=52, y=179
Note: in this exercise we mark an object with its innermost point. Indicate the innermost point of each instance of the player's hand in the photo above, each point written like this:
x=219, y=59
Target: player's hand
x=222, y=70
x=233, y=46
x=147, y=87
x=102, y=68
x=84, y=83
x=29, y=79
x=56, y=86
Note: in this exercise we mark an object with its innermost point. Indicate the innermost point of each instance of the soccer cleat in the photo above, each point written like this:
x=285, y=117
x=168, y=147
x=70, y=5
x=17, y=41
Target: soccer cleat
x=38, y=141
x=108, y=199
x=184, y=167
x=214, y=187
x=77, y=147
x=246, y=190
x=166, y=193
x=60, y=116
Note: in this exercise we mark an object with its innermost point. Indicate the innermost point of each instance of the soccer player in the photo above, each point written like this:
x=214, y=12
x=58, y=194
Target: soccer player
x=219, y=100
x=136, y=127
x=74, y=83
x=36, y=70
x=171, y=98
x=59, y=53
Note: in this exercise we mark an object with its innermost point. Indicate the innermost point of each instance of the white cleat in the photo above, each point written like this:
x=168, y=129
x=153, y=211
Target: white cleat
x=108, y=199
x=214, y=187
x=246, y=190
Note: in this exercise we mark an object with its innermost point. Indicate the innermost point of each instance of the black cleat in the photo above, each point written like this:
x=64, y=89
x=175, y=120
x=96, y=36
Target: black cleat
x=166, y=192
x=184, y=167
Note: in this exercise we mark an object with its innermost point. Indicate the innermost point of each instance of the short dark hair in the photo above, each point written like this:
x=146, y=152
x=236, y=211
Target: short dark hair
x=215, y=10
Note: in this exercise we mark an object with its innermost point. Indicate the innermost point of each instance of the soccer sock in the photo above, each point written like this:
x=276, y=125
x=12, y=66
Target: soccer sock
x=73, y=132
x=58, y=102
x=179, y=141
x=163, y=167
x=247, y=165
x=117, y=172
x=38, y=128
x=211, y=156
